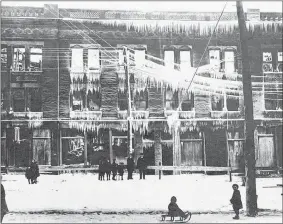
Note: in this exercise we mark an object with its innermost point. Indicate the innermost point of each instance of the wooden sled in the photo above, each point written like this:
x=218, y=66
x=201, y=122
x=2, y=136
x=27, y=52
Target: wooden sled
x=179, y=220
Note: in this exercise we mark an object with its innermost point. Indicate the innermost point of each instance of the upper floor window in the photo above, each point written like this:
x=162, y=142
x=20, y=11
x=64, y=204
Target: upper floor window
x=185, y=59
x=77, y=101
x=171, y=99
x=35, y=59
x=3, y=57
x=187, y=102
x=139, y=58
x=169, y=58
x=272, y=58
x=214, y=58
x=141, y=100
x=223, y=102
x=93, y=101
x=93, y=59
x=28, y=99
x=77, y=64
x=223, y=58
x=229, y=61
x=122, y=100
x=27, y=58
x=233, y=103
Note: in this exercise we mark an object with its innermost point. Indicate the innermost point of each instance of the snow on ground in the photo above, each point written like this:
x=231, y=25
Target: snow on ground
x=133, y=218
x=84, y=193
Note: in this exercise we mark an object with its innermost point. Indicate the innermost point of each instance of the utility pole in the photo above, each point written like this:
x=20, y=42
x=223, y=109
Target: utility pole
x=127, y=72
x=249, y=146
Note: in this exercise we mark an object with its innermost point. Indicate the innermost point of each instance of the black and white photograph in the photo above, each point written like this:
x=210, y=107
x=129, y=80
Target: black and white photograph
x=141, y=111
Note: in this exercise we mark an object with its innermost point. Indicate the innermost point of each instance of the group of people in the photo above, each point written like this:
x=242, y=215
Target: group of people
x=32, y=172
x=105, y=167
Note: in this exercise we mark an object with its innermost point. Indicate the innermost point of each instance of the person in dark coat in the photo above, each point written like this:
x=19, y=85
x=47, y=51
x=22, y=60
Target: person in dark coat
x=236, y=201
x=121, y=168
x=100, y=170
x=114, y=168
x=130, y=167
x=108, y=168
x=141, y=166
x=4, y=207
x=174, y=210
x=35, y=171
x=29, y=175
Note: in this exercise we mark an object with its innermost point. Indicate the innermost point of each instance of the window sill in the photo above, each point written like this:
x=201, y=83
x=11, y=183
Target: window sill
x=181, y=114
x=138, y=114
x=87, y=115
x=24, y=72
x=225, y=114
x=30, y=115
x=273, y=113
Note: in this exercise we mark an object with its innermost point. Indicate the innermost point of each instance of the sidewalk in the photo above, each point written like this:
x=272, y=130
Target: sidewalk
x=84, y=193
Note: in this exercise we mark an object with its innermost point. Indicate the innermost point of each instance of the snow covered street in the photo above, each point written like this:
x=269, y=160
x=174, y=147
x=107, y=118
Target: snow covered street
x=137, y=200
x=133, y=218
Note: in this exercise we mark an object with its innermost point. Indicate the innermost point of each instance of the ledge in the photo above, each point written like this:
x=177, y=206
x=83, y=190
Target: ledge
x=138, y=114
x=87, y=115
x=31, y=115
x=272, y=113
x=225, y=114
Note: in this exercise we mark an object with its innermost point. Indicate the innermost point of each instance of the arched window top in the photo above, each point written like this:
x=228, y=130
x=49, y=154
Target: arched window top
x=169, y=48
x=185, y=48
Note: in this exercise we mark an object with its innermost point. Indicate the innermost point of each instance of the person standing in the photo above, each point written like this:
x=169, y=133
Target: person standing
x=100, y=169
x=121, y=170
x=108, y=169
x=130, y=167
x=4, y=207
x=236, y=201
x=141, y=166
x=35, y=171
x=114, y=169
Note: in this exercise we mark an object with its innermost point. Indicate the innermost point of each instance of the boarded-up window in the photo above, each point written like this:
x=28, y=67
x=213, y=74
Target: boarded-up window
x=187, y=102
x=185, y=60
x=93, y=59
x=192, y=153
x=265, y=153
x=169, y=59
x=77, y=60
x=214, y=58
x=139, y=58
x=229, y=57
